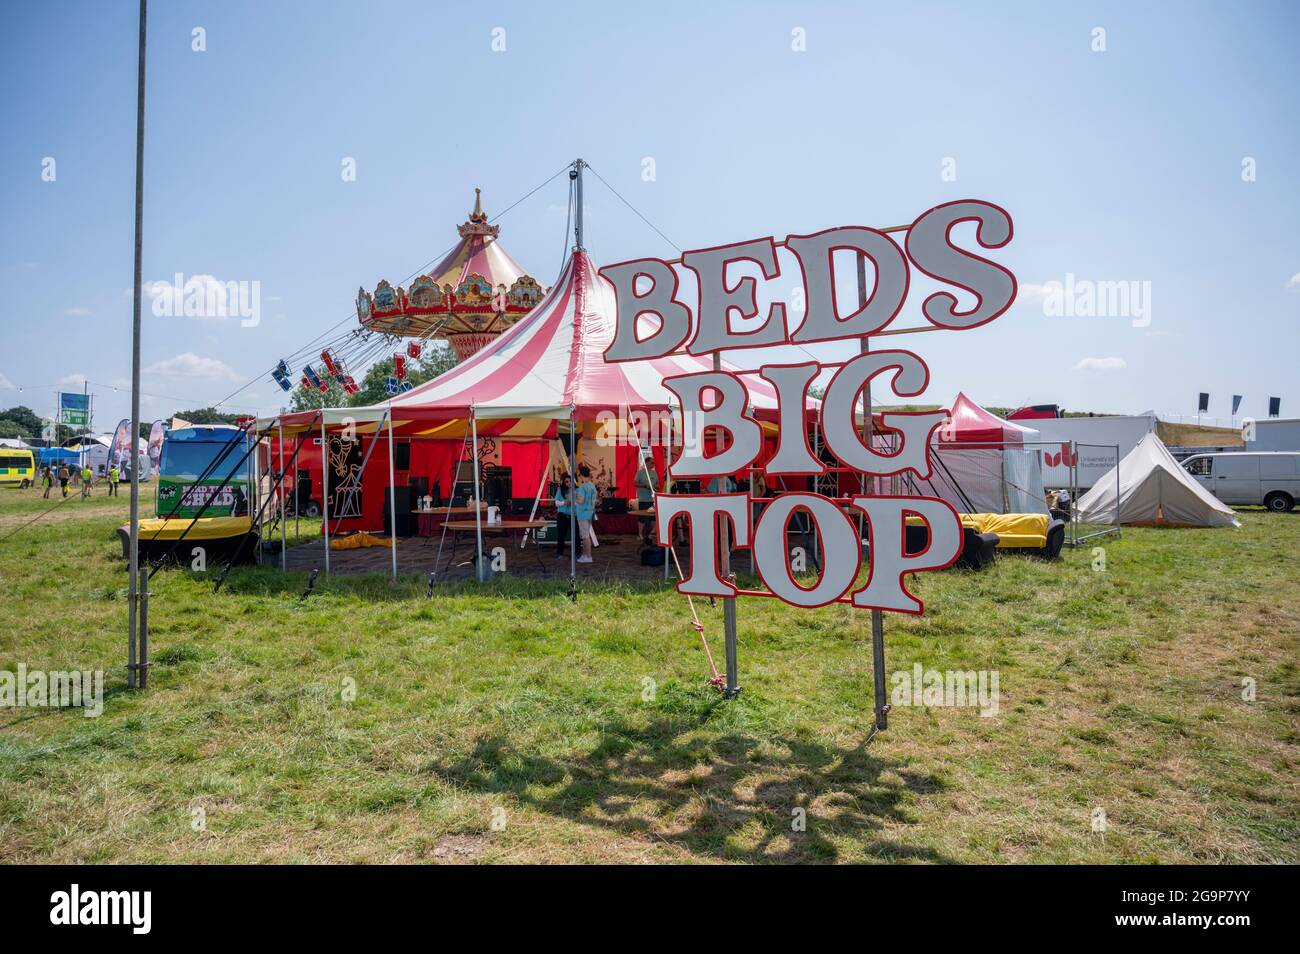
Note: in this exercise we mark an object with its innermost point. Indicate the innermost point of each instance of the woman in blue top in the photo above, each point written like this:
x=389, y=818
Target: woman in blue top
x=564, y=509
x=584, y=505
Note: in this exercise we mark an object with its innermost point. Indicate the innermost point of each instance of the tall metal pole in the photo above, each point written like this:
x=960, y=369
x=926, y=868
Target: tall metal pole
x=877, y=617
x=577, y=208
x=392, y=491
x=138, y=596
x=325, y=487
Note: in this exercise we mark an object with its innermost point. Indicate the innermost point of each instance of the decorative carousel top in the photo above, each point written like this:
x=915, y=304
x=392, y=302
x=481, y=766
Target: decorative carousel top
x=470, y=297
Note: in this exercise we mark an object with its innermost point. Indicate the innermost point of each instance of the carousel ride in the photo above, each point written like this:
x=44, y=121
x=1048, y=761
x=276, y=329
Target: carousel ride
x=473, y=294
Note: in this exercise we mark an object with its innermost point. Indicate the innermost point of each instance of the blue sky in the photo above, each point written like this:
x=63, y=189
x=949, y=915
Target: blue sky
x=1120, y=165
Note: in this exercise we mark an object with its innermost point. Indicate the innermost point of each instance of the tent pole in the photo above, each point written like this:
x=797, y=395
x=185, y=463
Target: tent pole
x=255, y=498
x=478, y=509
x=284, y=555
x=537, y=499
x=577, y=210
x=1118, y=532
x=325, y=488
x=573, y=487
x=392, y=492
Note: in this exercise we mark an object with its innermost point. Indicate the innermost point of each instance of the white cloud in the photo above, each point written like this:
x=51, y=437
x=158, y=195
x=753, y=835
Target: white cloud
x=1293, y=281
x=5, y=382
x=190, y=365
x=1030, y=293
x=1101, y=364
x=77, y=312
x=72, y=380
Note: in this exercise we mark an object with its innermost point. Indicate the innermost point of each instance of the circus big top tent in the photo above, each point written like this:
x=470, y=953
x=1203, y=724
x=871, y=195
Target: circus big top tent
x=517, y=394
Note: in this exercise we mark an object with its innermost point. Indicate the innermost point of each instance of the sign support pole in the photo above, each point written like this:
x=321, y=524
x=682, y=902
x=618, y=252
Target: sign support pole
x=138, y=597
x=732, y=688
x=877, y=617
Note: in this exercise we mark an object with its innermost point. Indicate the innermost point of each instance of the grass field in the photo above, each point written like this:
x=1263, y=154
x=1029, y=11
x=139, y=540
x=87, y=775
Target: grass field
x=503, y=723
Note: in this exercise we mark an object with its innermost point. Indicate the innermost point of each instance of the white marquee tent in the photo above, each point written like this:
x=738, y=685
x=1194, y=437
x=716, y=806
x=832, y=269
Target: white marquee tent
x=1153, y=488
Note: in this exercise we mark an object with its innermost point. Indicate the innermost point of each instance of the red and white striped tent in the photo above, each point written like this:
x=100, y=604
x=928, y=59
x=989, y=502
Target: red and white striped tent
x=523, y=388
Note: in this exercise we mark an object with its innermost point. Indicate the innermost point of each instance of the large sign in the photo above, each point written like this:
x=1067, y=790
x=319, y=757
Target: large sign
x=720, y=437
x=74, y=409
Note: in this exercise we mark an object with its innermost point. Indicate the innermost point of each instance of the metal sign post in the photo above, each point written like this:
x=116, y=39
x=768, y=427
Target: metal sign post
x=877, y=616
x=732, y=688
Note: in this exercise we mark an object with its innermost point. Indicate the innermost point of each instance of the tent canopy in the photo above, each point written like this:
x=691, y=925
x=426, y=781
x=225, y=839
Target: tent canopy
x=553, y=362
x=1153, y=488
x=969, y=423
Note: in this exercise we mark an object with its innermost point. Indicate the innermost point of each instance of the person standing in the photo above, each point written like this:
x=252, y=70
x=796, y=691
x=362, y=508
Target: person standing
x=112, y=480
x=564, y=510
x=584, y=507
x=86, y=478
x=47, y=478
x=64, y=476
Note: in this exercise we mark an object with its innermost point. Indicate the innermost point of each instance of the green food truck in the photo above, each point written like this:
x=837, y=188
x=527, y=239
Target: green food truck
x=192, y=472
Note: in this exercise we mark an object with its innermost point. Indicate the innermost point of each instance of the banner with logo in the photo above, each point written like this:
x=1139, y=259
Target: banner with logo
x=156, y=433
x=119, y=451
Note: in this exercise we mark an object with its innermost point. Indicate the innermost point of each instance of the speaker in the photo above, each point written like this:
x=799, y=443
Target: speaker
x=402, y=456
x=401, y=498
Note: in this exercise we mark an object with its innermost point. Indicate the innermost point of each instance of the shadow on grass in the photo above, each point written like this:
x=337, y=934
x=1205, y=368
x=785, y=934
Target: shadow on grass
x=730, y=797
x=378, y=587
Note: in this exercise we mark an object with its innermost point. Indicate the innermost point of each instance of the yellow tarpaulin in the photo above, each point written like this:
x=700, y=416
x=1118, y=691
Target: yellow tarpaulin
x=1013, y=529
x=205, y=528
x=359, y=541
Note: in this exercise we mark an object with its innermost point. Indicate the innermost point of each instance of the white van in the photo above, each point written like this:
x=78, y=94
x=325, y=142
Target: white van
x=1268, y=478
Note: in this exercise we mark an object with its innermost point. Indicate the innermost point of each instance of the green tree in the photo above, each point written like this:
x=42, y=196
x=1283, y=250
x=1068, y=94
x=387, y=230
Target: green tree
x=433, y=361
x=436, y=358
x=20, y=421
x=203, y=415
x=309, y=399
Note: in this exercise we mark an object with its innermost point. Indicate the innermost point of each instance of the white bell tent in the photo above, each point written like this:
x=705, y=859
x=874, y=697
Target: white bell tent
x=1153, y=488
